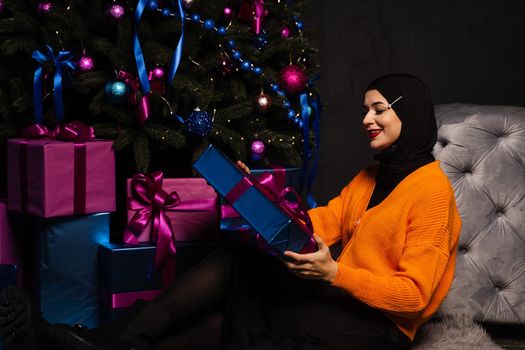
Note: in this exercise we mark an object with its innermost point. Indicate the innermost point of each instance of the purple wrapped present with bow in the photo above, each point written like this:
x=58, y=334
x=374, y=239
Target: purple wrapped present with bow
x=281, y=223
x=164, y=211
x=60, y=172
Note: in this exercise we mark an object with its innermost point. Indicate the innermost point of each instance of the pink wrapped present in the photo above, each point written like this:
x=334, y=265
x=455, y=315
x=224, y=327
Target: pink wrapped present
x=8, y=252
x=164, y=211
x=48, y=177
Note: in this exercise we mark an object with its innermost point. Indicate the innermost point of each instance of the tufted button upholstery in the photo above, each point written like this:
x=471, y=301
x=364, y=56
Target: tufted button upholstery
x=482, y=151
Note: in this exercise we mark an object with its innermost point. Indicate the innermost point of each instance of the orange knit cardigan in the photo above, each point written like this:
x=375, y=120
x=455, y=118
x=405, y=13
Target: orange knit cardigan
x=399, y=256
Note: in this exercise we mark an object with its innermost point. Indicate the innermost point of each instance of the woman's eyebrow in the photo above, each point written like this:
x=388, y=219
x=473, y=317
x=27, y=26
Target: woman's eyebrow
x=375, y=104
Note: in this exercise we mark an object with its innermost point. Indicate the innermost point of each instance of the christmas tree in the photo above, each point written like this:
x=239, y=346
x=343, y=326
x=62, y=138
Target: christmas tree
x=163, y=79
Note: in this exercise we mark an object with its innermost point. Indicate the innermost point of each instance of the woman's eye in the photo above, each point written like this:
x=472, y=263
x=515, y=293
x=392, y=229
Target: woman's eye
x=379, y=111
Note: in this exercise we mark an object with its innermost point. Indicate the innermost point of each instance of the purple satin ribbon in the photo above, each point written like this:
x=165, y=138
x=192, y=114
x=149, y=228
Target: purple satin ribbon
x=253, y=12
x=121, y=300
x=259, y=16
x=143, y=104
x=272, y=186
x=76, y=132
x=151, y=202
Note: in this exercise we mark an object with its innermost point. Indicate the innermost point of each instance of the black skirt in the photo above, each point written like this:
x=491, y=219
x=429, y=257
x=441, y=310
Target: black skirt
x=269, y=308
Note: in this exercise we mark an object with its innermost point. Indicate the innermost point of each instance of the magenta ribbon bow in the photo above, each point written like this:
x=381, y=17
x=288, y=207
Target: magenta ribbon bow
x=74, y=131
x=151, y=202
x=143, y=104
x=272, y=186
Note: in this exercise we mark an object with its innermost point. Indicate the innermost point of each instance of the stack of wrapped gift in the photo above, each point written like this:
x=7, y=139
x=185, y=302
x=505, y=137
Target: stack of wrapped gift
x=66, y=178
x=172, y=223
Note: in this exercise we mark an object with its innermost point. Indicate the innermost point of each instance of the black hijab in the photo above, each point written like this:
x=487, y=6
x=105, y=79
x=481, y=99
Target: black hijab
x=413, y=148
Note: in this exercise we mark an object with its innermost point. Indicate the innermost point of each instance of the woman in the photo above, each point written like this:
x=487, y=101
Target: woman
x=399, y=227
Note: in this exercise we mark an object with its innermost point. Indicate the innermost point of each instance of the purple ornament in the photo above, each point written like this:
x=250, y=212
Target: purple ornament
x=1, y=5
x=45, y=7
x=158, y=72
x=116, y=11
x=187, y=3
x=285, y=32
x=228, y=12
x=86, y=63
x=293, y=79
x=258, y=147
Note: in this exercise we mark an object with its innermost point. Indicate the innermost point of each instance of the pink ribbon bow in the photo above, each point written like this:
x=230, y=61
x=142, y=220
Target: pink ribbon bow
x=151, y=202
x=73, y=131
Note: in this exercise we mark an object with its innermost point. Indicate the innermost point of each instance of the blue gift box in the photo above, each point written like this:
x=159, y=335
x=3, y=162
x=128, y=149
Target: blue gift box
x=230, y=223
x=66, y=281
x=7, y=275
x=124, y=273
x=279, y=230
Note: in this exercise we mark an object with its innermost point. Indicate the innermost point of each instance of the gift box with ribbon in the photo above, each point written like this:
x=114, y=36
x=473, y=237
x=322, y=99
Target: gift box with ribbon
x=8, y=249
x=275, y=179
x=283, y=224
x=124, y=273
x=165, y=211
x=7, y=275
x=65, y=280
x=60, y=172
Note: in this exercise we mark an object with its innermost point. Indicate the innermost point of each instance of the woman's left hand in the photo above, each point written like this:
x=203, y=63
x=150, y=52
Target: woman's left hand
x=318, y=265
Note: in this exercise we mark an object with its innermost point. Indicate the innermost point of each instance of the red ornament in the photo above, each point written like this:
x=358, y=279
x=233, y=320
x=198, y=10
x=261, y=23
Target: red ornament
x=264, y=102
x=293, y=79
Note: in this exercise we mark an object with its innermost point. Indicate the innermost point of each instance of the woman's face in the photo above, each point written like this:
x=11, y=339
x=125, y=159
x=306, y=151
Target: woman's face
x=380, y=123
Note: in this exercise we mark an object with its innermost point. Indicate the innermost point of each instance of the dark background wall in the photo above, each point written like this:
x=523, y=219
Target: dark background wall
x=466, y=51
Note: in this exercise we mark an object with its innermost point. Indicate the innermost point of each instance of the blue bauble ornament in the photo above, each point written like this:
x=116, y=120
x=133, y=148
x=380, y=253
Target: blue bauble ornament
x=199, y=123
x=116, y=91
x=209, y=24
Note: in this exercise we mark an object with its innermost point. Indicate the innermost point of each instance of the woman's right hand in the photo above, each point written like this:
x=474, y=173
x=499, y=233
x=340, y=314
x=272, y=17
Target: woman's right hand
x=243, y=166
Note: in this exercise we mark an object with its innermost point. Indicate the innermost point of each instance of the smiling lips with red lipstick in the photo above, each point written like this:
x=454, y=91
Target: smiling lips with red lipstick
x=372, y=133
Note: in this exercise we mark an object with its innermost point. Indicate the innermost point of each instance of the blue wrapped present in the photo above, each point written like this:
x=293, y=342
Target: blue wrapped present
x=7, y=275
x=282, y=224
x=280, y=179
x=124, y=273
x=66, y=280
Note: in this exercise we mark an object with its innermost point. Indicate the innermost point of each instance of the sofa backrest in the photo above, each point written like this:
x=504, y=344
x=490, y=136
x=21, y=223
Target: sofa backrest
x=482, y=150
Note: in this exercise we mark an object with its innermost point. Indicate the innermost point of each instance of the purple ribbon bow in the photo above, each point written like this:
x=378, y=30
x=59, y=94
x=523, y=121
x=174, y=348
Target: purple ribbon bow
x=75, y=131
x=151, y=202
x=143, y=103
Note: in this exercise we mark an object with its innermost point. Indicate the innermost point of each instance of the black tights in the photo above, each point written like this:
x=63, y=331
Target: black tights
x=195, y=304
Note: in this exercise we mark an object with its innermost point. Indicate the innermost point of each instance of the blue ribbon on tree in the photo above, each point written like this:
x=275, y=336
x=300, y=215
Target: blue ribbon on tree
x=137, y=50
x=306, y=113
x=64, y=59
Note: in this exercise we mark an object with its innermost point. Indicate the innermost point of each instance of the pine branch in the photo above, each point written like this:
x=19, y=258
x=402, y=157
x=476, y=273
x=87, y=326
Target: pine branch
x=165, y=136
x=234, y=112
x=18, y=44
x=124, y=138
x=106, y=130
x=142, y=153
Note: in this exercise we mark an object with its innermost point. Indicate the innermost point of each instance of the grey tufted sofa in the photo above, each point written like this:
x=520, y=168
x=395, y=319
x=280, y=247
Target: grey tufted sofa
x=482, y=150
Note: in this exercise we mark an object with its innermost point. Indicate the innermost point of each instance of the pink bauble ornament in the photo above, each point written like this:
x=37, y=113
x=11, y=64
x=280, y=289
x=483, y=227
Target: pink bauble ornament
x=187, y=3
x=228, y=12
x=45, y=6
x=116, y=10
x=285, y=32
x=293, y=79
x=264, y=102
x=86, y=63
x=257, y=148
x=158, y=72
x=1, y=5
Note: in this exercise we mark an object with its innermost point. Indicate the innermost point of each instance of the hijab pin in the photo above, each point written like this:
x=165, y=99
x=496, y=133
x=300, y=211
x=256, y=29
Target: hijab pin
x=397, y=99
